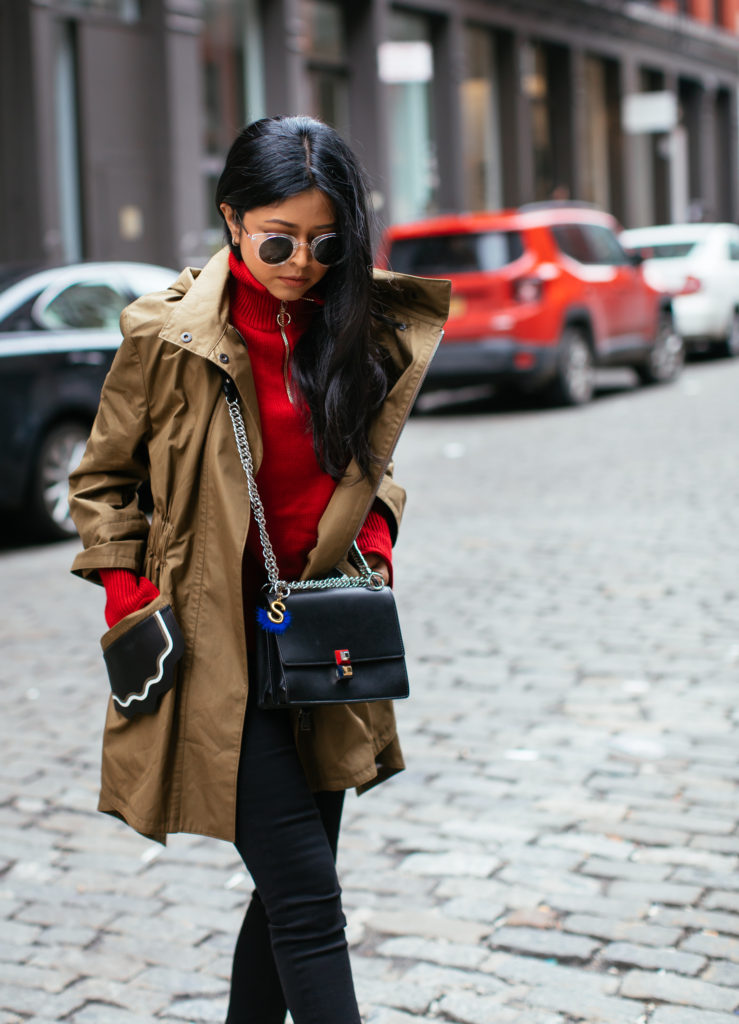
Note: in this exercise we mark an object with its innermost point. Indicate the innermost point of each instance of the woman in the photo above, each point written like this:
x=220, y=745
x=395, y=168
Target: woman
x=327, y=358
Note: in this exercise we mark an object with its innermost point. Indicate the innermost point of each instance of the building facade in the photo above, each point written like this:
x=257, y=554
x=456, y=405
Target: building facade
x=117, y=114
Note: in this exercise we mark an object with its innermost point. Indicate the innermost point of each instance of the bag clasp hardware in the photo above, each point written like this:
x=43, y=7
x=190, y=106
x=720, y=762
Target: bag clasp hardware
x=276, y=611
x=344, y=668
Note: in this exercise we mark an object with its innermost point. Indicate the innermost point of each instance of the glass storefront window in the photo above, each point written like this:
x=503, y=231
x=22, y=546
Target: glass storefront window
x=324, y=30
x=327, y=62
x=481, y=123
x=330, y=99
x=537, y=87
x=66, y=123
x=232, y=76
x=223, y=74
x=413, y=165
x=596, y=177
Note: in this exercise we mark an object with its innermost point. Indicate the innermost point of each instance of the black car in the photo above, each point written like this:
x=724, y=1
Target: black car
x=58, y=335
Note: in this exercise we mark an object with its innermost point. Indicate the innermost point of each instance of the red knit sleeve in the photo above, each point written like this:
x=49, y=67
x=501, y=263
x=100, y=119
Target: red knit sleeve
x=374, y=539
x=125, y=593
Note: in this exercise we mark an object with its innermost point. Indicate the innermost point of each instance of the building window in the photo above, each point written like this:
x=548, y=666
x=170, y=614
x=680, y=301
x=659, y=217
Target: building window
x=66, y=123
x=126, y=10
x=327, y=62
x=413, y=164
x=546, y=70
x=481, y=123
x=223, y=75
x=536, y=83
x=596, y=183
x=232, y=75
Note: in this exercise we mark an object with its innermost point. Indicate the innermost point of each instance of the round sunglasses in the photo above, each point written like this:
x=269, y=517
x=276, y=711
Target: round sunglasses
x=275, y=249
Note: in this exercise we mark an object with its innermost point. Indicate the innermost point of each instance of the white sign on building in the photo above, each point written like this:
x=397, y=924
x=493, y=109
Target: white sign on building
x=644, y=112
x=405, y=62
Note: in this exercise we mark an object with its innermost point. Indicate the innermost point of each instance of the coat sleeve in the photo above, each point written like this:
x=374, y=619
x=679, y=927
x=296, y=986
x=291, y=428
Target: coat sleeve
x=103, y=495
x=391, y=497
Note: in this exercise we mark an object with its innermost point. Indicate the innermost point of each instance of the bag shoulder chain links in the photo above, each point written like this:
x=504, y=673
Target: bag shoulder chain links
x=279, y=589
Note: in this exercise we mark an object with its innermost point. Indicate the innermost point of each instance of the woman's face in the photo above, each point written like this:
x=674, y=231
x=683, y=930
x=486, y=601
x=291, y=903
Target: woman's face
x=305, y=217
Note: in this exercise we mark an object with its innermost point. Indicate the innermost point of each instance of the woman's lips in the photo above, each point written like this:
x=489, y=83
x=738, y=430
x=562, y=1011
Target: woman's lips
x=294, y=282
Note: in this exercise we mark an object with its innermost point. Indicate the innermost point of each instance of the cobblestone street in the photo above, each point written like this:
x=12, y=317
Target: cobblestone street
x=564, y=844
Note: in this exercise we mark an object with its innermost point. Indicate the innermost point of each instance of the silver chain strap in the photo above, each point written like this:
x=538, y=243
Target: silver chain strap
x=279, y=587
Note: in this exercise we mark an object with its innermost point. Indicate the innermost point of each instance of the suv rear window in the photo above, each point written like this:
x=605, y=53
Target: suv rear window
x=589, y=243
x=437, y=255
x=665, y=250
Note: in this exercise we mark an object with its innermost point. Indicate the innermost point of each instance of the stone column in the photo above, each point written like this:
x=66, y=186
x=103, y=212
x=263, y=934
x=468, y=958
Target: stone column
x=449, y=61
x=635, y=164
x=707, y=184
x=183, y=218
x=368, y=113
x=515, y=63
x=286, y=88
x=24, y=170
x=578, y=126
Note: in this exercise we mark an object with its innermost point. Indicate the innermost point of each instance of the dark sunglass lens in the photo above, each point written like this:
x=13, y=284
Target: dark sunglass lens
x=327, y=251
x=274, y=250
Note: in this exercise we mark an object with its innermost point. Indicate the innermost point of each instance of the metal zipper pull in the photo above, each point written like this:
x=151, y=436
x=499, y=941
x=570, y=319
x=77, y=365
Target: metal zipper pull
x=283, y=319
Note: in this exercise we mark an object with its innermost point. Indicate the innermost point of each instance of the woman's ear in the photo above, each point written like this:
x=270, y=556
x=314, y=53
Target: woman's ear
x=232, y=221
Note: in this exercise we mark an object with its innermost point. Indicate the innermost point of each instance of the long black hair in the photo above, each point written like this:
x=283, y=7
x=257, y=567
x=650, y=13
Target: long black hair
x=338, y=369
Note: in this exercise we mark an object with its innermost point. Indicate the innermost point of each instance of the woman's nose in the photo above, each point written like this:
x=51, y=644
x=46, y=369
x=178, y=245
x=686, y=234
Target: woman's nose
x=302, y=255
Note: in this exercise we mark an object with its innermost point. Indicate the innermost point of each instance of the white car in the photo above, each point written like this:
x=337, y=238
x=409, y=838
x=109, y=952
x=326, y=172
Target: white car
x=699, y=265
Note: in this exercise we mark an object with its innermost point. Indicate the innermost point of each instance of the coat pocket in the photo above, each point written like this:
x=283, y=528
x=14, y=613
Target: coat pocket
x=140, y=654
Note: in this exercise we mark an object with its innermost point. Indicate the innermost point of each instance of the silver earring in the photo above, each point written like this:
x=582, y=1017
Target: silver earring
x=235, y=241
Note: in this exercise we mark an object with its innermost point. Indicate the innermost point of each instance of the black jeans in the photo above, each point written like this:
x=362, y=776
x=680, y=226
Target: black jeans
x=292, y=951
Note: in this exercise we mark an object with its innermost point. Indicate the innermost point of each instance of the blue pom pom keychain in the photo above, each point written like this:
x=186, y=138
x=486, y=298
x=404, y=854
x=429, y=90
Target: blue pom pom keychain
x=276, y=618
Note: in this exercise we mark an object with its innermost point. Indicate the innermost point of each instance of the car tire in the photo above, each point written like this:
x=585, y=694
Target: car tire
x=667, y=355
x=575, y=377
x=59, y=453
x=729, y=347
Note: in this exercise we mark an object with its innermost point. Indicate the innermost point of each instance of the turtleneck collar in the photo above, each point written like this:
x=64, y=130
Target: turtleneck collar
x=251, y=302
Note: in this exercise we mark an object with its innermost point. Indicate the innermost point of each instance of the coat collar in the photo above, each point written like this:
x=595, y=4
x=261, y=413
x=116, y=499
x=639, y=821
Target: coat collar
x=200, y=318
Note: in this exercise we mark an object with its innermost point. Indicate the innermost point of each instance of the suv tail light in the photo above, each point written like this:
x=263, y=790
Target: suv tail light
x=691, y=285
x=528, y=289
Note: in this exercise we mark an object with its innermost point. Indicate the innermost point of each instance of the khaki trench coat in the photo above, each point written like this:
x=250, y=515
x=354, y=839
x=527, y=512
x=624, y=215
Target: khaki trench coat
x=163, y=416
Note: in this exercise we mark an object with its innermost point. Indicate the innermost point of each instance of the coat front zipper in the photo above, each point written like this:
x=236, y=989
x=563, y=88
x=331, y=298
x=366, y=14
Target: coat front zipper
x=283, y=319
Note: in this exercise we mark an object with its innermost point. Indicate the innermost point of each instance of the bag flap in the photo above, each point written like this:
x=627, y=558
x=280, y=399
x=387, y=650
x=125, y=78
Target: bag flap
x=144, y=657
x=358, y=620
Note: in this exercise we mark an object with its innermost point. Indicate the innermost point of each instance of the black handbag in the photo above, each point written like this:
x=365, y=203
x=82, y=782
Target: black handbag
x=329, y=641
x=342, y=645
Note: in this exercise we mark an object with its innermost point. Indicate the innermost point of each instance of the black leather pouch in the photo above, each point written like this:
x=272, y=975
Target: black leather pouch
x=141, y=662
x=341, y=646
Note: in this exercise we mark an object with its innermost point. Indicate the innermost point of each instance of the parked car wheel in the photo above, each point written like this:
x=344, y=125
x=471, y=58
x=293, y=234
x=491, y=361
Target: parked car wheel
x=59, y=453
x=667, y=355
x=575, y=379
x=730, y=346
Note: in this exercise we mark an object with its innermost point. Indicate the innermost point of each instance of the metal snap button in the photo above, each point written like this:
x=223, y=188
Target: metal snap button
x=223, y=357
x=186, y=336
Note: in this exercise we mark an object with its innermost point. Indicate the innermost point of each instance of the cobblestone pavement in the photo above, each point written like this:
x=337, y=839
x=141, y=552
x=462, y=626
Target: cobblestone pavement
x=563, y=847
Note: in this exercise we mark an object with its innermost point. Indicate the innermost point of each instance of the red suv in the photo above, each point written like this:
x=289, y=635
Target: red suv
x=540, y=297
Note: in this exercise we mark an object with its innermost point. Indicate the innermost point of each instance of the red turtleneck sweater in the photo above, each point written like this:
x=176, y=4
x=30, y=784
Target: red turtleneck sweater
x=293, y=487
